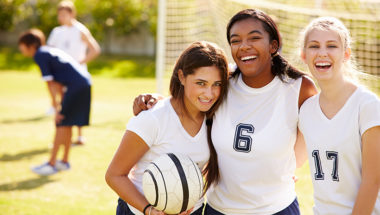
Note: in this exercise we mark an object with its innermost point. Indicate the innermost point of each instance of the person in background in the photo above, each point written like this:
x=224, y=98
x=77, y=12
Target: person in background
x=76, y=40
x=59, y=70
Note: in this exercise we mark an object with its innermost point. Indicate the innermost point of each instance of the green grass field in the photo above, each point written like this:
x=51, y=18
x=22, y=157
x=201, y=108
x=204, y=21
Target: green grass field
x=26, y=133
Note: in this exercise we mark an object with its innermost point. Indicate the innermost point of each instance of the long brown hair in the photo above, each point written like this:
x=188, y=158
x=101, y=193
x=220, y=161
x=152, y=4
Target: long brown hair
x=202, y=54
x=280, y=66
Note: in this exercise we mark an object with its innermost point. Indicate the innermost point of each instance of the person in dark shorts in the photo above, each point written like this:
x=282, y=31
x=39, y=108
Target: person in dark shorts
x=59, y=70
x=76, y=40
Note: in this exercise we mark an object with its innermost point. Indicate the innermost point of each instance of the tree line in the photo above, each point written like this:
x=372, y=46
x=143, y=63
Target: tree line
x=100, y=16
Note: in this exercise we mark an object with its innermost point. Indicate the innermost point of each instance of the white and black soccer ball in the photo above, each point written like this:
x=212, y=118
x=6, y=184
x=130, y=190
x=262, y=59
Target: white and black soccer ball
x=172, y=183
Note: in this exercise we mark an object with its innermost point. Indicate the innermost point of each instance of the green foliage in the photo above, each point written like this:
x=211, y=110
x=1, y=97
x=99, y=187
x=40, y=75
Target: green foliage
x=100, y=16
x=10, y=59
x=123, y=15
x=45, y=15
x=120, y=16
x=8, y=11
x=122, y=66
x=105, y=65
x=149, y=15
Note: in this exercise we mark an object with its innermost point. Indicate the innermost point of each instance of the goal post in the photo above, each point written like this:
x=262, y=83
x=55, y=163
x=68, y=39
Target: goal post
x=161, y=41
x=186, y=21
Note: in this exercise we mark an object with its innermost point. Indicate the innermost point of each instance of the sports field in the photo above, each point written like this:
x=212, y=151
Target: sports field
x=26, y=133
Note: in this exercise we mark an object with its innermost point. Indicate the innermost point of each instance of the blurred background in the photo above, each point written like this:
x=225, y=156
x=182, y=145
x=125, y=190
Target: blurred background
x=129, y=28
x=125, y=29
x=190, y=20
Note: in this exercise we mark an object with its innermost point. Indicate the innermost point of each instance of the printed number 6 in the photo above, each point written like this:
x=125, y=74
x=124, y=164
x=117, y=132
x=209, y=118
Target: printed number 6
x=243, y=143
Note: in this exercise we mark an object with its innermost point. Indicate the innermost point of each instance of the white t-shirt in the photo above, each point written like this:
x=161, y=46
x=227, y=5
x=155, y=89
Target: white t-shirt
x=69, y=39
x=254, y=133
x=335, y=150
x=161, y=129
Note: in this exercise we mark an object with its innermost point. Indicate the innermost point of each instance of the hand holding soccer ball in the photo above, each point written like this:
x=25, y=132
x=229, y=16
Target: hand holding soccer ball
x=173, y=184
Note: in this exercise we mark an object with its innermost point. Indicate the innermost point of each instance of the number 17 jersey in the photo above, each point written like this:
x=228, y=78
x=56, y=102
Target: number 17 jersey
x=334, y=149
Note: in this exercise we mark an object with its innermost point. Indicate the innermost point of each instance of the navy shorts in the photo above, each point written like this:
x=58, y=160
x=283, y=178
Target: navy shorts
x=75, y=106
x=123, y=209
x=292, y=209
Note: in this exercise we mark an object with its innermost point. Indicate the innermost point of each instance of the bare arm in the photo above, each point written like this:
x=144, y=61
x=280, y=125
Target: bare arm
x=308, y=89
x=130, y=151
x=55, y=91
x=370, y=185
x=93, y=47
x=300, y=149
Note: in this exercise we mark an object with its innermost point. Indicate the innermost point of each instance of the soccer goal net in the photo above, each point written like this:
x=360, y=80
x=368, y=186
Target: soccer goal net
x=182, y=22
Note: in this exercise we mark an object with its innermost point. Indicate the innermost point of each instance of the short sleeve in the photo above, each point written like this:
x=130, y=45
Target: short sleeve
x=369, y=114
x=52, y=40
x=42, y=59
x=145, y=125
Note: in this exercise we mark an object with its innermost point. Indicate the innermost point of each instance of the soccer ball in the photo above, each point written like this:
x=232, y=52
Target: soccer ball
x=172, y=183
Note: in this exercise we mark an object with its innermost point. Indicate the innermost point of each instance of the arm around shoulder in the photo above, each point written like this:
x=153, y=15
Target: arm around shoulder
x=300, y=150
x=145, y=102
x=308, y=89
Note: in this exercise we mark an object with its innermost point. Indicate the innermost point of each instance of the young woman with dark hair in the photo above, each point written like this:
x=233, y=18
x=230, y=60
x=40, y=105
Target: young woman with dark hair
x=176, y=124
x=255, y=130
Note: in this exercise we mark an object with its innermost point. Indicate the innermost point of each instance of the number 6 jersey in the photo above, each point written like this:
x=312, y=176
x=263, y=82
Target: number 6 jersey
x=334, y=150
x=254, y=133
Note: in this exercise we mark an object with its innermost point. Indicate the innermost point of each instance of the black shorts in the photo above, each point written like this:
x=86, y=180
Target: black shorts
x=123, y=209
x=292, y=209
x=75, y=107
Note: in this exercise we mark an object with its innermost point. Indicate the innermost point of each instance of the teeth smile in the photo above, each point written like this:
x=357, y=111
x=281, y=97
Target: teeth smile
x=323, y=64
x=205, y=100
x=248, y=58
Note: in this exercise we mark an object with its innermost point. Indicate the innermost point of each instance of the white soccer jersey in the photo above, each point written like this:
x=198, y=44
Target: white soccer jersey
x=334, y=150
x=254, y=133
x=69, y=39
x=161, y=129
